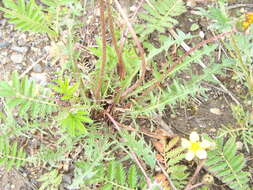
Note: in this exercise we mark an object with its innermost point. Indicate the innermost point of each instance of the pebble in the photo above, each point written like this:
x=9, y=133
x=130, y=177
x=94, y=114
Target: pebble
x=66, y=179
x=239, y=145
x=216, y=111
x=212, y=130
x=201, y=34
x=18, y=49
x=40, y=78
x=17, y=58
x=4, y=60
x=4, y=44
x=37, y=68
x=7, y=187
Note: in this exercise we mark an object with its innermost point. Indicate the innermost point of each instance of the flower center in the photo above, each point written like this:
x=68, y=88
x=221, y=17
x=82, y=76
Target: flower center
x=195, y=146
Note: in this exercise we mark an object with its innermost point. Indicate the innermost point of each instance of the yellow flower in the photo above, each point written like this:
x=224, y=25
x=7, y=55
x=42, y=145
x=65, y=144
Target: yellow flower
x=196, y=147
x=248, y=21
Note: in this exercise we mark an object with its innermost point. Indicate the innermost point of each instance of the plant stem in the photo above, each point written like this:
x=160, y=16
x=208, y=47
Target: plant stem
x=102, y=68
x=141, y=51
x=120, y=65
x=200, y=166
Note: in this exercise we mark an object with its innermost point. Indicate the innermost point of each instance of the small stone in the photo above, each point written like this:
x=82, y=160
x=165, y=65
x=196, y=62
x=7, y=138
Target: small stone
x=37, y=68
x=4, y=44
x=201, y=34
x=18, y=49
x=216, y=111
x=4, y=60
x=239, y=145
x=212, y=130
x=67, y=179
x=7, y=186
x=40, y=78
x=173, y=116
x=12, y=186
x=22, y=39
x=17, y=58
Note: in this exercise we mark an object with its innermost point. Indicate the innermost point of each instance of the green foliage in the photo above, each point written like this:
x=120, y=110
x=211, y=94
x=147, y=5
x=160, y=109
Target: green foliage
x=227, y=165
x=178, y=91
x=72, y=122
x=111, y=79
x=27, y=97
x=117, y=177
x=173, y=156
x=159, y=16
x=63, y=87
x=165, y=42
x=90, y=170
x=244, y=131
x=27, y=16
x=50, y=180
x=139, y=147
x=10, y=154
x=218, y=16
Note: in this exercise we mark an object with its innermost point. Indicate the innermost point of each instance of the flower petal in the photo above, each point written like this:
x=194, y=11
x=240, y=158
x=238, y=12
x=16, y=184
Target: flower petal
x=185, y=143
x=194, y=137
x=189, y=155
x=205, y=144
x=201, y=154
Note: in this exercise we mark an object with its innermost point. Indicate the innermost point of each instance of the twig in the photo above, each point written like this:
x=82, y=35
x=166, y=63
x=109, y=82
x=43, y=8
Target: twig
x=120, y=65
x=200, y=166
x=196, y=185
x=101, y=73
x=240, y=5
x=125, y=32
x=167, y=176
x=141, y=51
x=187, y=48
x=31, y=66
x=148, y=180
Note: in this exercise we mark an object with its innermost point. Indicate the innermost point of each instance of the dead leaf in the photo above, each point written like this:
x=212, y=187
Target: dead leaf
x=161, y=178
x=160, y=158
x=158, y=146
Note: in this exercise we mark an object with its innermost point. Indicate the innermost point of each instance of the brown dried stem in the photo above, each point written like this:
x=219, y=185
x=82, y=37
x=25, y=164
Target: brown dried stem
x=102, y=68
x=120, y=66
x=141, y=51
x=196, y=173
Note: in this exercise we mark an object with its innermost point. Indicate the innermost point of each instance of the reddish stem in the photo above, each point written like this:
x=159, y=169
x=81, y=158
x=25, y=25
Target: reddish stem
x=101, y=73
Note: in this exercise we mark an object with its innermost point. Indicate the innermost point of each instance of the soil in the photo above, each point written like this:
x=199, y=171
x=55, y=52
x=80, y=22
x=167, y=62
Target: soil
x=196, y=115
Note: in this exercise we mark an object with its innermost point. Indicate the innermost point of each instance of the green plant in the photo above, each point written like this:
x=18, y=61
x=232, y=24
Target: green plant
x=159, y=16
x=173, y=156
x=50, y=180
x=27, y=16
x=139, y=147
x=243, y=128
x=227, y=165
x=10, y=154
x=118, y=177
x=22, y=94
x=73, y=122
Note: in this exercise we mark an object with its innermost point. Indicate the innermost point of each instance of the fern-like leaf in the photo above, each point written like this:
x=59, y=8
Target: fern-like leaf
x=132, y=176
x=10, y=155
x=27, y=16
x=226, y=164
x=50, y=180
x=23, y=94
x=140, y=148
x=173, y=156
x=159, y=15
